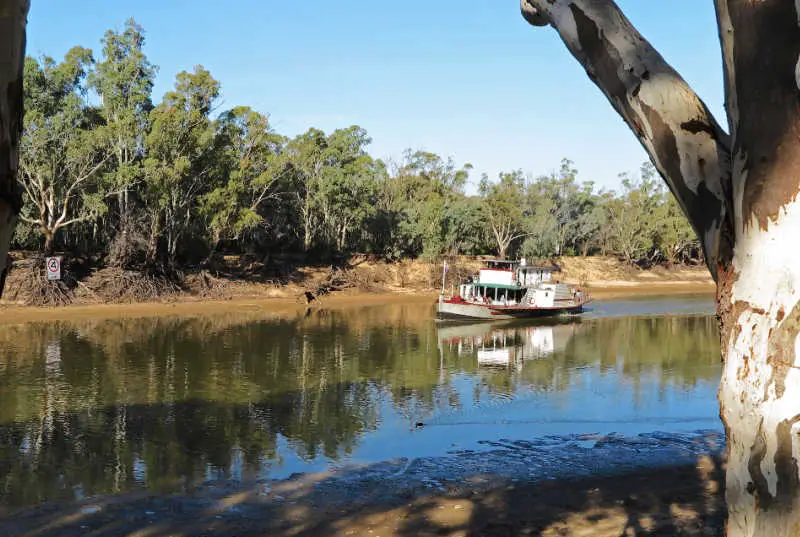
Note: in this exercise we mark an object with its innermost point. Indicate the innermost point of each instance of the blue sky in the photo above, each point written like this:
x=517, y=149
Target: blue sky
x=468, y=79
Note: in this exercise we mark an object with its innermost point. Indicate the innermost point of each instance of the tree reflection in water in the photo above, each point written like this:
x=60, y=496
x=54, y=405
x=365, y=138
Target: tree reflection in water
x=98, y=407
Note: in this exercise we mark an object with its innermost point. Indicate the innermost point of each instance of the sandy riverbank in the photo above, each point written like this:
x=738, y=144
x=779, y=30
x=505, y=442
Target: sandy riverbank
x=285, y=304
x=187, y=307
x=675, y=288
x=237, y=281
x=365, y=282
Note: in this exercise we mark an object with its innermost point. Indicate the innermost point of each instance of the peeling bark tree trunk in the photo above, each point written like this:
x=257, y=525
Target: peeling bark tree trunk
x=13, y=19
x=740, y=192
x=759, y=308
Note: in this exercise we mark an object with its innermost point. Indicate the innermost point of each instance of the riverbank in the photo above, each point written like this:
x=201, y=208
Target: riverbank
x=284, y=306
x=650, y=485
x=236, y=282
x=189, y=307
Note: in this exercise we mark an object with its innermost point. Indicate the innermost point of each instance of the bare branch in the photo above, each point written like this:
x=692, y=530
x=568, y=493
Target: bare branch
x=29, y=220
x=68, y=194
x=686, y=144
x=75, y=220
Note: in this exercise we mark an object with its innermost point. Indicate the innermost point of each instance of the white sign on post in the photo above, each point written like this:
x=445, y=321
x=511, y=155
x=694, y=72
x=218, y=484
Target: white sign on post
x=53, y=265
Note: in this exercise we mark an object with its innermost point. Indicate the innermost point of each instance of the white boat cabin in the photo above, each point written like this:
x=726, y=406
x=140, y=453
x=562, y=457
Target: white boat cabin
x=511, y=283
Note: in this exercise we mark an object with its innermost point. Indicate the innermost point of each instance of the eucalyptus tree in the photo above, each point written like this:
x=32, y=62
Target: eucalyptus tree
x=250, y=168
x=306, y=162
x=13, y=21
x=598, y=235
x=674, y=235
x=739, y=190
x=60, y=151
x=351, y=187
x=542, y=225
x=465, y=227
x=632, y=217
x=124, y=80
x=180, y=162
x=423, y=187
x=503, y=209
x=334, y=186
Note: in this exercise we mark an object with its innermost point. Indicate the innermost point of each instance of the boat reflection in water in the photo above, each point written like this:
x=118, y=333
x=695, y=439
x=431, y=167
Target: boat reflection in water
x=506, y=343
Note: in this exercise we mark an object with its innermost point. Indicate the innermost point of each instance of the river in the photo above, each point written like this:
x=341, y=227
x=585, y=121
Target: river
x=162, y=403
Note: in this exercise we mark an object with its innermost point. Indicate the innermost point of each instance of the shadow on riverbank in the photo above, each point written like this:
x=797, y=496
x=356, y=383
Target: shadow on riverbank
x=682, y=500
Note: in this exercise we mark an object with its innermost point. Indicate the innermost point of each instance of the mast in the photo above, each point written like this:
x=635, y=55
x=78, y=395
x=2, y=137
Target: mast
x=444, y=275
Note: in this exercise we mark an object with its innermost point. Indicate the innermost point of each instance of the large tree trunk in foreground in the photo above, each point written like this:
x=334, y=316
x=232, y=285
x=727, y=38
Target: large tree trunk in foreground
x=740, y=192
x=758, y=299
x=13, y=19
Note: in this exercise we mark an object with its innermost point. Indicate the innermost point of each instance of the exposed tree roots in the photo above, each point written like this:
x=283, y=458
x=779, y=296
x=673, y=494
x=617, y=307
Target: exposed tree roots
x=119, y=285
x=27, y=283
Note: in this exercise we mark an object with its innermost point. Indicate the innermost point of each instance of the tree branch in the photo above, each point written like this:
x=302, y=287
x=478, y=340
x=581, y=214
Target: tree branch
x=726, y=42
x=29, y=220
x=760, y=48
x=75, y=220
x=686, y=144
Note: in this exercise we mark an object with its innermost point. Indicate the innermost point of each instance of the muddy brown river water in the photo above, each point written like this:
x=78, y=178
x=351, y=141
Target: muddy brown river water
x=160, y=404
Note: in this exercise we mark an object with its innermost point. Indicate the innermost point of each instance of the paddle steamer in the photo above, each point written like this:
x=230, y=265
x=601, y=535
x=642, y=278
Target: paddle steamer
x=511, y=290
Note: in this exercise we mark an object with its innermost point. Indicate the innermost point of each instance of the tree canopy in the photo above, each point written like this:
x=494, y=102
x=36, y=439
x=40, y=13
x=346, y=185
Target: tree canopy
x=108, y=170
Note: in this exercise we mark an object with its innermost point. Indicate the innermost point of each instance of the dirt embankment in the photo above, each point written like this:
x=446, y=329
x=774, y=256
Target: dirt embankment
x=240, y=279
x=608, y=275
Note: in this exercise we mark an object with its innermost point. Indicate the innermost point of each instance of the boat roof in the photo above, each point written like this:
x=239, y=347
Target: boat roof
x=499, y=286
x=508, y=264
x=543, y=268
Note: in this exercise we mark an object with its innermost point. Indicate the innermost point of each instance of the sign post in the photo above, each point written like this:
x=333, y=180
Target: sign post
x=53, y=265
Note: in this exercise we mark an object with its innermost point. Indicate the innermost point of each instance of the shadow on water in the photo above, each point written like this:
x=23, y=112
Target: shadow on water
x=175, y=426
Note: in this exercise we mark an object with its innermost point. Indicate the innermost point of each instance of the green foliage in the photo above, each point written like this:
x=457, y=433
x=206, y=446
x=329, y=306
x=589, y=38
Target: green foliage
x=560, y=212
x=675, y=237
x=503, y=208
x=348, y=188
x=60, y=151
x=175, y=181
x=249, y=157
x=123, y=81
x=632, y=215
x=180, y=159
x=422, y=191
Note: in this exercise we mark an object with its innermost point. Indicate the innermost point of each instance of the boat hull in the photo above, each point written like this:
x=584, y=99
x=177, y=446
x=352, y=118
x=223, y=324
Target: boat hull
x=466, y=310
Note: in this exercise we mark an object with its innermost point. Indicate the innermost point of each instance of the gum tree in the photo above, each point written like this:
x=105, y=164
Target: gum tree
x=123, y=80
x=739, y=190
x=13, y=20
x=180, y=164
x=503, y=210
x=60, y=153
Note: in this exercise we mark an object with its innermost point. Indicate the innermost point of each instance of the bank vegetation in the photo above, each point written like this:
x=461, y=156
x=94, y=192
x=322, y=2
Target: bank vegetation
x=150, y=197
